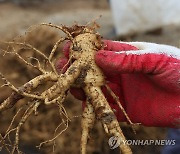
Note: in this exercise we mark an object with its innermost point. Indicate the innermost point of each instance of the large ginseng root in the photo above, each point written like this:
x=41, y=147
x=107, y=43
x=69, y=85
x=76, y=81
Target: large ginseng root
x=83, y=73
x=87, y=44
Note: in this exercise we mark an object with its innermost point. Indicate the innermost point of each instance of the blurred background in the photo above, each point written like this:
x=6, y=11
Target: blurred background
x=127, y=21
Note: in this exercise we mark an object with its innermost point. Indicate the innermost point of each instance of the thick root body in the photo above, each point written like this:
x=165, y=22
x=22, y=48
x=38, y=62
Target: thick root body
x=88, y=44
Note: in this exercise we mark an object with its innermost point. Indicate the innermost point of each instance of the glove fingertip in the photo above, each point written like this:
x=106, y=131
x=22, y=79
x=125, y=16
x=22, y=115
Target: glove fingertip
x=118, y=46
x=78, y=93
x=61, y=62
x=66, y=49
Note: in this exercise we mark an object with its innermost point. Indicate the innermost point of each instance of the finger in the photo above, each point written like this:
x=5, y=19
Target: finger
x=66, y=49
x=118, y=46
x=137, y=61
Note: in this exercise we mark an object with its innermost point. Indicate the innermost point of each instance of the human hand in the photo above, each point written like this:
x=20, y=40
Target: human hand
x=145, y=77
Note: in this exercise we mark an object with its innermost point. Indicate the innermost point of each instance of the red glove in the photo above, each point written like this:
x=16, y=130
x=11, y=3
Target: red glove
x=145, y=77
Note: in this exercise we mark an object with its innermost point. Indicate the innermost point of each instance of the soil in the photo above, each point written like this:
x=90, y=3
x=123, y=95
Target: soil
x=15, y=20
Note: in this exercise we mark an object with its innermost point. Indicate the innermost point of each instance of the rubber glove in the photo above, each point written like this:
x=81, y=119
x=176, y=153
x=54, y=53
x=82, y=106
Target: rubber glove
x=145, y=77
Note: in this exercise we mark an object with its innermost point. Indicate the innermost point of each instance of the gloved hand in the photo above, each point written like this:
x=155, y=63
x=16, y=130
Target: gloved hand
x=145, y=77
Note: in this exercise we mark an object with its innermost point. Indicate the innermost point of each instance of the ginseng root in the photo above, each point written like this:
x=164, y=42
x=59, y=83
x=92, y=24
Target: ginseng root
x=82, y=72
